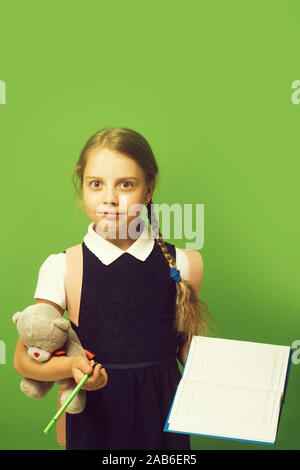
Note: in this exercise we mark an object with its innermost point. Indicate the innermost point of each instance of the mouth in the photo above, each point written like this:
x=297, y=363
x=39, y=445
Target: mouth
x=106, y=212
x=110, y=215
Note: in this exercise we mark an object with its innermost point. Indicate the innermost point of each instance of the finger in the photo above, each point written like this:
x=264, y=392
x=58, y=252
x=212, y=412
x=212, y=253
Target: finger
x=93, y=386
x=92, y=362
x=93, y=379
x=96, y=374
x=85, y=367
x=97, y=370
x=94, y=383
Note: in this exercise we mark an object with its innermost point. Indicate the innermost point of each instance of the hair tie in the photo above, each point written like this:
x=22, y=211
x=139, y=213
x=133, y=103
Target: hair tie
x=175, y=274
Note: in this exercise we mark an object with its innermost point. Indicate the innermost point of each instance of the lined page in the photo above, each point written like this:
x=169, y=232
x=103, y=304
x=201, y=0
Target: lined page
x=231, y=389
x=225, y=411
x=240, y=363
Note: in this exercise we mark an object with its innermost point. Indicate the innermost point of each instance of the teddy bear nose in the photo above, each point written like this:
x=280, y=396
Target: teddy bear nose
x=36, y=354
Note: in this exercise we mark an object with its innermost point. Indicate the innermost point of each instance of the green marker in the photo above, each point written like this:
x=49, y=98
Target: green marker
x=66, y=404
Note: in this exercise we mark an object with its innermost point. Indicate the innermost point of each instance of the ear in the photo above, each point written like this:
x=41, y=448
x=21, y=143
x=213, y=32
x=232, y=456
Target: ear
x=150, y=191
x=15, y=317
x=62, y=323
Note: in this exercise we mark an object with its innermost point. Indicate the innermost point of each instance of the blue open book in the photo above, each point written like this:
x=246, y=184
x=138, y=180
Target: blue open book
x=231, y=389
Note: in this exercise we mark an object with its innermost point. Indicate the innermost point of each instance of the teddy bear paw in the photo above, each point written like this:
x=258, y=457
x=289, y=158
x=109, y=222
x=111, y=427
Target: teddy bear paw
x=77, y=405
x=34, y=388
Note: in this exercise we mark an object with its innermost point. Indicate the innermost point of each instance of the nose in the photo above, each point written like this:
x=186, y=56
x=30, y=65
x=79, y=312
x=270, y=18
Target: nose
x=109, y=196
x=36, y=354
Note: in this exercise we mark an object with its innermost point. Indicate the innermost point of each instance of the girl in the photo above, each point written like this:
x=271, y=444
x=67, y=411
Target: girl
x=138, y=312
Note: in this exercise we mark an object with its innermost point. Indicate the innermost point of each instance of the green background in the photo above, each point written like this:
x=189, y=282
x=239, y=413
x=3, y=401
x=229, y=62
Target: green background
x=209, y=86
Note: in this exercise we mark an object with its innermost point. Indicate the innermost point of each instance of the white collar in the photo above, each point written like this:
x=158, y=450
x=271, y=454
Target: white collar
x=107, y=252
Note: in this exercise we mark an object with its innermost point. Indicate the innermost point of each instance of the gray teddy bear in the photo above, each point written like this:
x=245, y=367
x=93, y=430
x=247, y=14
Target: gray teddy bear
x=44, y=331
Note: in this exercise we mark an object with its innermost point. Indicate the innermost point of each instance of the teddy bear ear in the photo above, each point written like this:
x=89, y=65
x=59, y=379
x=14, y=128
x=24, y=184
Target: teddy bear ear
x=15, y=317
x=62, y=323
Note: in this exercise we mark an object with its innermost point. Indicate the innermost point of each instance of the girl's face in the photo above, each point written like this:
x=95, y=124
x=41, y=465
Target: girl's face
x=112, y=183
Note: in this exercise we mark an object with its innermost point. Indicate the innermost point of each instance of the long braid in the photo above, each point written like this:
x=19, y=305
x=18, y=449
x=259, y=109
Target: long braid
x=189, y=315
x=154, y=223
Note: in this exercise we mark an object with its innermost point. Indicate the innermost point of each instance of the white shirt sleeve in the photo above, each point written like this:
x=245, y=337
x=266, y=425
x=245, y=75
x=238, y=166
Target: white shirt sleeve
x=182, y=263
x=51, y=280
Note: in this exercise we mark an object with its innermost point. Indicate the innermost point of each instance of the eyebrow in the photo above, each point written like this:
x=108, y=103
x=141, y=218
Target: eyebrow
x=123, y=178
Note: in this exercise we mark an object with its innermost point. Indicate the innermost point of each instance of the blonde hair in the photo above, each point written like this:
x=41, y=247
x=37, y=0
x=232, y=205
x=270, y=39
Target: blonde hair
x=189, y=319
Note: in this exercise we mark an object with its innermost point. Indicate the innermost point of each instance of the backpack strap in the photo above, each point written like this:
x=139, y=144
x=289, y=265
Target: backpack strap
x=73, y=286
x=73, y=281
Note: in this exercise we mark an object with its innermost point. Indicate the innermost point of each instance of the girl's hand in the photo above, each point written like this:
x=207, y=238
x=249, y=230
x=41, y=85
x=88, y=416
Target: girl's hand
x=82, y=366
x=97, y=380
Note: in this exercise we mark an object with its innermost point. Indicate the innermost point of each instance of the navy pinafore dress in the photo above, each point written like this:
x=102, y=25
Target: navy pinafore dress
x=126, y=316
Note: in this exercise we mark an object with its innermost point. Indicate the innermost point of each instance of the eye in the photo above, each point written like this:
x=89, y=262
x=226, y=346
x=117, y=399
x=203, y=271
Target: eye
x=91, y=183
x=127, y=182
